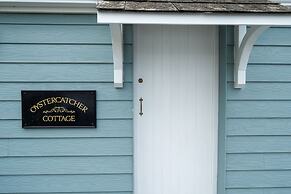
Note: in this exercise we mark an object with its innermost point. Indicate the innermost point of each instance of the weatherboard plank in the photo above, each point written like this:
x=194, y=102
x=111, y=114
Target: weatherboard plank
x=99, y=34
x=265, y=73
x=258, y=127
x=60, y=53
x=65, y=165
x=286, y=190
x=105, y=91
x=105, y=128
x=274, y=36
x=61, y=73
x=60, y=34
x=264, y=161
x=265, y=55
x=65, y=183
x=258, y=109
x=66, y=147
x=259, y=144
x=260, y=91
x=246, y=179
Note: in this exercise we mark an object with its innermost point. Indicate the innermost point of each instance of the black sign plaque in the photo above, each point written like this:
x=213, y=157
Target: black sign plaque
x=58, y=109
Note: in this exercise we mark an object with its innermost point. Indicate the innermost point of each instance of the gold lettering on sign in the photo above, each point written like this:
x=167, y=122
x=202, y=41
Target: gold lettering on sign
x=59, y=118
x=59, y=100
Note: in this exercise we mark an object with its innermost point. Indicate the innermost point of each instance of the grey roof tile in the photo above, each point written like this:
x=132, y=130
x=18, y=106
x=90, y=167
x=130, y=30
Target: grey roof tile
x=215, y=1
x=149, y=6
x=211, y=7
x=200, y=7
x=240, y=6
x=111, y=5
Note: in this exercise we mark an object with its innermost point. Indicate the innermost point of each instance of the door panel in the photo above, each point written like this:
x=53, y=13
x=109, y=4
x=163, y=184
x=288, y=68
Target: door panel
x=176, y=136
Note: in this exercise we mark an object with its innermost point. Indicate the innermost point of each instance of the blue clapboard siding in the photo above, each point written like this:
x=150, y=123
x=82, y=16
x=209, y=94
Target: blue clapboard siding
x=65, y=165
x=78, y=72
x=68, y=34
x=275, y=36
x=9, y=91
x=258, y=126
x=106, y=128
x=260, y=161
x=59, y=53
x=262, y=55
x=258, y=118
x=259, y=191
x=65, y=147
x=258, y=178
x=64, y=52
x=265, y=72
x=258, y=144
x=65, y=183
x=258, y=109
x=261, y=91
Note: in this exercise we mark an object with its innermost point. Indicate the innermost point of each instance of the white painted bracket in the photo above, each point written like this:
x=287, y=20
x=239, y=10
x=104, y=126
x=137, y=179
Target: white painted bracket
x=244, y=42
x=117, y=49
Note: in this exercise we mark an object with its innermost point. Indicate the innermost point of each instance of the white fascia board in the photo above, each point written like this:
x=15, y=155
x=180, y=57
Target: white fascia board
x=121, y=17
x=51, y=1
x=48, y=6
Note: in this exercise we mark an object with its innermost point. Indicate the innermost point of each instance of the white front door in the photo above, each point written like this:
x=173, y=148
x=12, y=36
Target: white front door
x=175, y=124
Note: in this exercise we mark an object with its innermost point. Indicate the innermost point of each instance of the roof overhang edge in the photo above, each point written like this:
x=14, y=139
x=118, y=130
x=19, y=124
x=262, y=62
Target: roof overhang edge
x=184, y=18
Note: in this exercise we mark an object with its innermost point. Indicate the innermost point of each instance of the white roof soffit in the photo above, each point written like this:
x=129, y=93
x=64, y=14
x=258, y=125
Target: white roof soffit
x=122, y=17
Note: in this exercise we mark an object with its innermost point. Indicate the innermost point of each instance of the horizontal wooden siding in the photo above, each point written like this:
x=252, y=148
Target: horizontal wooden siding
x=63, y=52
x=258, y=124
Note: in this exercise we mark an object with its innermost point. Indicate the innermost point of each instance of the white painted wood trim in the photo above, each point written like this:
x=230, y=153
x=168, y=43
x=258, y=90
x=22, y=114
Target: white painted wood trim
x=49, y=6
x=117, y=49
x=192, y=19
x=240, y=32
x=244, y=42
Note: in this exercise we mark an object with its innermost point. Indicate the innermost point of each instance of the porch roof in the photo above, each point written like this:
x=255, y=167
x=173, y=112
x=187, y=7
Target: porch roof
x=260, y=14
x=194, y=6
